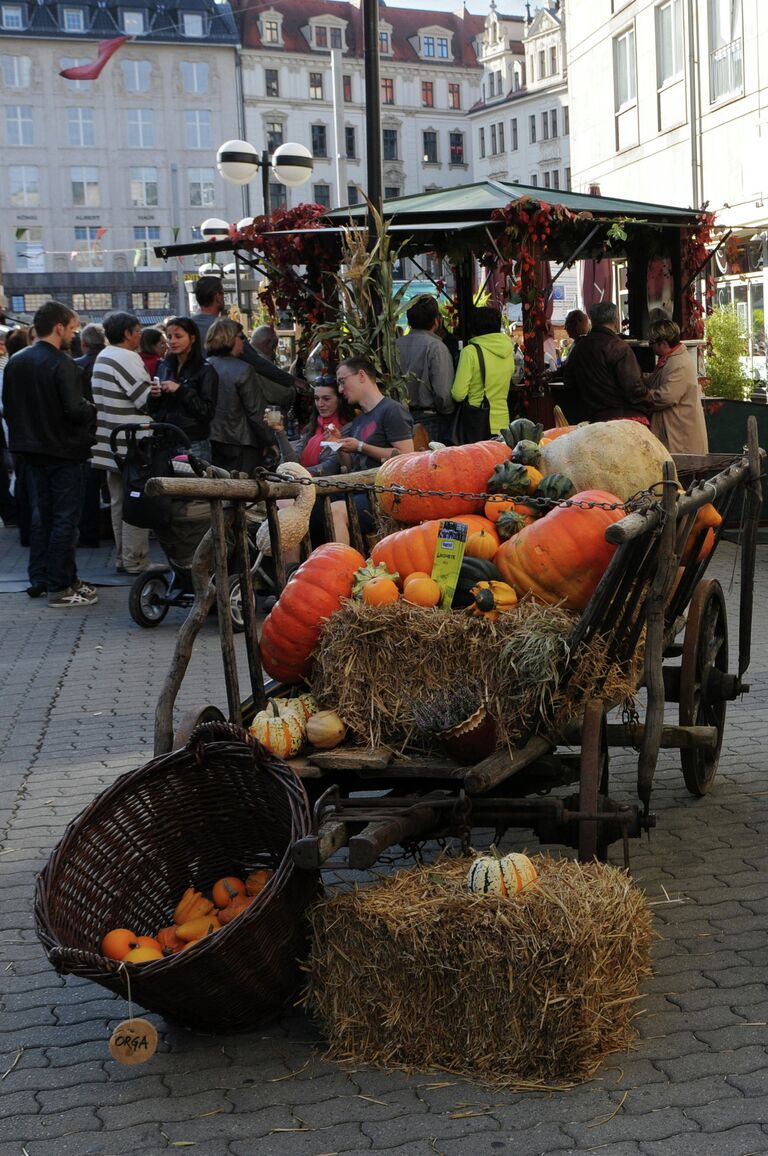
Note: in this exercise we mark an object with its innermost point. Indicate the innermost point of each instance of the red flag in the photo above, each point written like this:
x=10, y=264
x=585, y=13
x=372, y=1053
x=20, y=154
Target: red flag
x=91, y=71
x=100, y=232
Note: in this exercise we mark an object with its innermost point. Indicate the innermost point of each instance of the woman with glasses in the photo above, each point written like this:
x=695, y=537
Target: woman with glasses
x=677, y=416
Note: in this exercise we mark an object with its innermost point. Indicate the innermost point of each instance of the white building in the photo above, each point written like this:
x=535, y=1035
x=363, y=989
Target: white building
x=429, y=78
x=97, y=172
x=669, y=103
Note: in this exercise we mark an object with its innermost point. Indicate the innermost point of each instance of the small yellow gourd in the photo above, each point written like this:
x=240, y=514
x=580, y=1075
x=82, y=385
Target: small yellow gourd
x=501, y=874
x=325, y=730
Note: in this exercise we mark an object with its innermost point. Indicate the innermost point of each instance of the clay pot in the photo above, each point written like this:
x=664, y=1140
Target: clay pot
x=472, y=740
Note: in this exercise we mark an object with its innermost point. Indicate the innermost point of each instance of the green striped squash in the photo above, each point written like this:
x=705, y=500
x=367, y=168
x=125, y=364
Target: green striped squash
x=505, y=875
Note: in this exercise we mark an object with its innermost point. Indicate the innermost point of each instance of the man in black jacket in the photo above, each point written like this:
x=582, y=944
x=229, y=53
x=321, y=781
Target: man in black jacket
x=603, y=370
x=52, y=426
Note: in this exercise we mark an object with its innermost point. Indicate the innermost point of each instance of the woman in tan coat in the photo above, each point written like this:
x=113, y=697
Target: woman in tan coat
x=677, y=416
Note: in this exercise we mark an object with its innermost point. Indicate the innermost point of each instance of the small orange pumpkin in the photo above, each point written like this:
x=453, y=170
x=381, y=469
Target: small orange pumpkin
x=481, y=545
x=169, y=940
x=117, y=943
x=380, y=592
x=233, y=909
x=423, y=591
x=258, y=880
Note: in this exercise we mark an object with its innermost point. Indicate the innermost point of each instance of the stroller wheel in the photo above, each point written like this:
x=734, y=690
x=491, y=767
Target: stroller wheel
x=146, y=600
x=236, y=605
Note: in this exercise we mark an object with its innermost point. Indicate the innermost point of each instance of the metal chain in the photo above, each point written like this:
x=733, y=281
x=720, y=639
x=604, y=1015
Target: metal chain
x=642, y=497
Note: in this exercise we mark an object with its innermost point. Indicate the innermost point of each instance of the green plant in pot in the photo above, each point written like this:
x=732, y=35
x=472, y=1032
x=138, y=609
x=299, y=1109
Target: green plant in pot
x=459, y=721
x=726, y=344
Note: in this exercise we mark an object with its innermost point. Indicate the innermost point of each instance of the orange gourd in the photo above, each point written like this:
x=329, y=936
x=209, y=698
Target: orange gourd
x=226, y=889
x=258, y=880
x=191, y=905
x=481, y=544
x=292, y=628
x=422, y=591
x=234, y=907
x=117, y=943
x=413, y=549
x=457, y=469
x=380, y=591
x=169, y=940
x=562, y=556
x=143, y=955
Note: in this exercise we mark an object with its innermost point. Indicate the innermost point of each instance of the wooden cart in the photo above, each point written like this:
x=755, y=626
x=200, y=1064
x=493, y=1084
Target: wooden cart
x=370, y=800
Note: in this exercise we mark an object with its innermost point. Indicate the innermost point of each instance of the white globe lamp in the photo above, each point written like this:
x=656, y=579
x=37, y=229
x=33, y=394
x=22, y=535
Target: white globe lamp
x=214, y=229
x=292, y=164
x=237, y=161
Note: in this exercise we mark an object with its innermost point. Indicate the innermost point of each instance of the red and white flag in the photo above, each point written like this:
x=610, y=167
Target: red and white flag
x=92, y=69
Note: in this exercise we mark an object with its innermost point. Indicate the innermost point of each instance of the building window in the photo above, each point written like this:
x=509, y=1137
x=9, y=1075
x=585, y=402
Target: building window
x=350, y=141
x=198, y=129
x=513, y=125
x=546, y=180
x=17, y=71
x=81, y=130
x=75, y=62
x=271, y=34
x=73, y=20
x=542, y=64
x=534, y=181
x=321, y=195
x=275, y=130
x=532, y=128
x=143, y=188
x=336, y=38
x=271, y=82
x=346, y=85
x=669, y=41
x=494, y=143
x=553, y=60
x=492, y=84
x=30, y=255
x=427, y=94
x=24, y=186
x=391, y=192
x=353, y=196
x=456, y=147
x=145, y=237
x=429, y=139
x=87, y=247
x=136, y=75
x=726, y=75
x=86, y=193
x=482, y=142
x=278, y=196
x=133, y=23
x=553, y=122
x=389, y=144
x=428, y=46
x=11, y=17
x=192, y=25
x=387, y=91
x=141, y=128
x=501, y=136
x=315, y=86
x=194, y=75
x=555, y=178
x=19, y=127
x=319, y=140
x=624, y=63
x=442, y=47
x=202, y=192
x=384, y=43
x=568, y=179
x=321, y=36
x=545, y=126
x=566, y=121
x=83, y=302
x=454, y=96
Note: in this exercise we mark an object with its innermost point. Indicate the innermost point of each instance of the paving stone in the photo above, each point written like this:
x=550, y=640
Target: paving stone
x=747, y=1140
x=346, y=1138
x=691, y=1067
x=28, y=1129
x=403, y=1129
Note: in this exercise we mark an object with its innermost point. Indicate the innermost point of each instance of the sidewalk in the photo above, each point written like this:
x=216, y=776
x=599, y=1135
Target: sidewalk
x=76, y=710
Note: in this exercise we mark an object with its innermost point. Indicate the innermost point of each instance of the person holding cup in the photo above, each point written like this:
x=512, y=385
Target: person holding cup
x=330, y=415
x=185, y=390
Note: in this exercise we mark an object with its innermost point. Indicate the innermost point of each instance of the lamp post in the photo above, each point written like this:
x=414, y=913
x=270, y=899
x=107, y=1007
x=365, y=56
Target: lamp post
x=238, y=162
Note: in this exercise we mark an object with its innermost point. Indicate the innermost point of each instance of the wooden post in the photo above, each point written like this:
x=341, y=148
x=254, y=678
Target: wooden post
x=249, y=608
x=226, y=633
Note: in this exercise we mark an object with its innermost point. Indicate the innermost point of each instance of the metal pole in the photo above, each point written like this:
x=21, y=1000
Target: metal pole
x=340, y=144
x=183, y=308
x=265, y=180
x=372, y=107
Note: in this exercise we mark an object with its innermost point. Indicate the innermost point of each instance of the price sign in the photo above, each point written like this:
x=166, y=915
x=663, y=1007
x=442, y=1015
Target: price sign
x=134, y=1041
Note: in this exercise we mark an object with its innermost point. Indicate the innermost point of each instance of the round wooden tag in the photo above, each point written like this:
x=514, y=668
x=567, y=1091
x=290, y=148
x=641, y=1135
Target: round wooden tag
x=133, y=1041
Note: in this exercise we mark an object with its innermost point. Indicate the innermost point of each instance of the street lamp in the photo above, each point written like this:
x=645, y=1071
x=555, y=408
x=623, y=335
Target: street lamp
x=237, y=161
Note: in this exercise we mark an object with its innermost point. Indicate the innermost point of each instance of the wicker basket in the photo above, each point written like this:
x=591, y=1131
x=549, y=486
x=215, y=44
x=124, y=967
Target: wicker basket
x=221, y=805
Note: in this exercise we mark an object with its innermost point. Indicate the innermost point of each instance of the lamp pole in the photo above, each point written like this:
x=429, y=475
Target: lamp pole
x=372, y=109
x=237, y=161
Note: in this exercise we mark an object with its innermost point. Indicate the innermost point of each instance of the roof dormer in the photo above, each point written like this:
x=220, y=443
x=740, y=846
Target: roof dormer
x=324, y=33
x=271, y=28
x=434, y=43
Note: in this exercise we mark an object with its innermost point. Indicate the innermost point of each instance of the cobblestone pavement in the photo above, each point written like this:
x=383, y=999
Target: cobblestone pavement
x=78, y=694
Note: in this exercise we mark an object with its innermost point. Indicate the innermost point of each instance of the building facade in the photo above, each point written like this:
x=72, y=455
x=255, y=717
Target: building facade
x=303, y=82
x=680, y=116
x=97, y=172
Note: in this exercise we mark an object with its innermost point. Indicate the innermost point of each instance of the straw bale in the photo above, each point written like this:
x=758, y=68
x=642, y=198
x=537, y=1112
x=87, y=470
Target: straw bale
x=535, y=990
x=376, y=664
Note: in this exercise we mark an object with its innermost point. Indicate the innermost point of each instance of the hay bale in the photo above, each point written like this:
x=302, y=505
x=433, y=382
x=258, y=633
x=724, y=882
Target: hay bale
x=376, y=665
x=416, y=973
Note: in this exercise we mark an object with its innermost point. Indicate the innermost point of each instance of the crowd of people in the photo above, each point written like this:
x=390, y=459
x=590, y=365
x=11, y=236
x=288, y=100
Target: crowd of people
x=202, y=375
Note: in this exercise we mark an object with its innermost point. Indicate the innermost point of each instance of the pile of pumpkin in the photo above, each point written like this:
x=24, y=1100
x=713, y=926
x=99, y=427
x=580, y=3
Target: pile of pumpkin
x=286, y=724
x=519, y=540
x=194, y=918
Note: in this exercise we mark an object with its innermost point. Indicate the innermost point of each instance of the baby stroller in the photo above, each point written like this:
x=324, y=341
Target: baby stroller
x=178, y=526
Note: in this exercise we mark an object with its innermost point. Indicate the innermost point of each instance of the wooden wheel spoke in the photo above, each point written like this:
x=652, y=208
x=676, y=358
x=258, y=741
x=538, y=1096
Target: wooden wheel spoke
x=705, y=650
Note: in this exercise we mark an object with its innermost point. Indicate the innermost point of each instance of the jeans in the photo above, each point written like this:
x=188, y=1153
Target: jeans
x=56, y=501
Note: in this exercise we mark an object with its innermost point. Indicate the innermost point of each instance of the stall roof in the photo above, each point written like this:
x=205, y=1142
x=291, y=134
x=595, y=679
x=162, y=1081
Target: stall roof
x=481, y=198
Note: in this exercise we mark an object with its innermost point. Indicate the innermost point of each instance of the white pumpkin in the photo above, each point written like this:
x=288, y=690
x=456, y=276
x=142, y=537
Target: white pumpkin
x=621, y=457
x=325, y=730
x=282, y=734
x=501, y=874
x=294, y=518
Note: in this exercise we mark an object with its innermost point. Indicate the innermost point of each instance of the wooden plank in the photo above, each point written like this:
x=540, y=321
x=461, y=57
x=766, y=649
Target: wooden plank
x=258, y=696
x=632, y=735
x=226, y=633
x=312, y=851
x=375, y=838
x=301, y=766
x=351, y=759
x=502, y=765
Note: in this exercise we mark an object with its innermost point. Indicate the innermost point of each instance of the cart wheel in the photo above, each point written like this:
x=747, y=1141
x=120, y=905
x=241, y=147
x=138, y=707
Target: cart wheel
x=705, y=657
x=236, y=605
x=193, y=718
x=593, y=779
x=146, y=600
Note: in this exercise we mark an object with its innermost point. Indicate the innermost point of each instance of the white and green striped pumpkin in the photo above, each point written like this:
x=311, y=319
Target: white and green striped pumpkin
x=281, y=733
x=303, y=705
x=501, y=874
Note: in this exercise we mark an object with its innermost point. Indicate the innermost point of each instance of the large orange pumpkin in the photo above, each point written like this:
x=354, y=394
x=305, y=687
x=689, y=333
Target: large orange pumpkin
x=562, y=556
x=292, y=628
x=455, y=468
x=414, y=548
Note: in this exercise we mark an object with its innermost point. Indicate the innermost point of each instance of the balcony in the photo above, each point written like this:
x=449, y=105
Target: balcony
x=726, y=74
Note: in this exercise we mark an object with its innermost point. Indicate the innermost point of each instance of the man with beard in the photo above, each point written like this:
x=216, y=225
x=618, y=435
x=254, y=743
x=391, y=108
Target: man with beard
x=52, y=426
